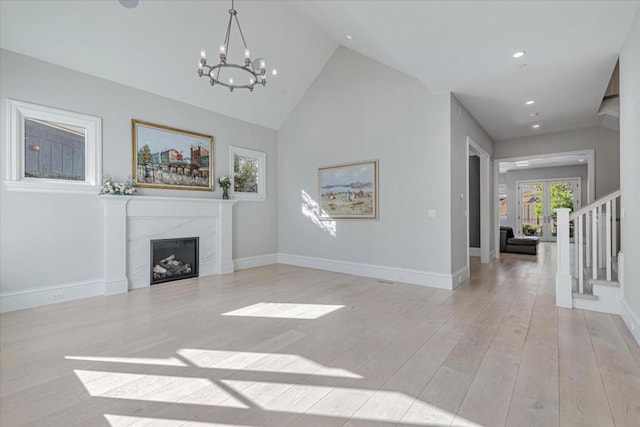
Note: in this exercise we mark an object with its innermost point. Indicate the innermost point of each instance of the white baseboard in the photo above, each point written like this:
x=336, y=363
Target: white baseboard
x=630, y=319
x=474, y=252
x=18, y=300
x=459, y=276
x=414, y=277
x=255, y=261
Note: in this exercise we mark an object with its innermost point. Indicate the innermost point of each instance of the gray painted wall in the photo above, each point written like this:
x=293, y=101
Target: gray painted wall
x=605, y=142
x=39, y=231
x=348, y=116
x=512, y=177
x=474, y=201
x=462, y=125
x=629, y=170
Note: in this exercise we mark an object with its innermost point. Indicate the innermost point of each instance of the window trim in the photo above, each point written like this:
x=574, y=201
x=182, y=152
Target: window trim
x=15, y=180
x=261, y=157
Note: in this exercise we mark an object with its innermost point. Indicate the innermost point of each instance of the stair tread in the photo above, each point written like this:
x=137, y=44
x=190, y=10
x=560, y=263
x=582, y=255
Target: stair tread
x=585, y=296
x=600, y=282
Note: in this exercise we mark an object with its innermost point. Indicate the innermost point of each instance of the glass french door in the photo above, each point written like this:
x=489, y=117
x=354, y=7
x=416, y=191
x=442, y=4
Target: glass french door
x=537, y=204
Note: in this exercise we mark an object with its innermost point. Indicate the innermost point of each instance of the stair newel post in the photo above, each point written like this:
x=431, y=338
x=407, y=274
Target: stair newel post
x=564, y=292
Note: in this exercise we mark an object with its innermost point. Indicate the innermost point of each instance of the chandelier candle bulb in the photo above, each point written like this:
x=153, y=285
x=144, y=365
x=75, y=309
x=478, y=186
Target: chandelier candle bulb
x=246, y=54
x=203, y=54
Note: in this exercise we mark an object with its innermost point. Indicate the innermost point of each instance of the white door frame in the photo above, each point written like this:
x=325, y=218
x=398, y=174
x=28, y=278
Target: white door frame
x=591, y=176
x=485, y=204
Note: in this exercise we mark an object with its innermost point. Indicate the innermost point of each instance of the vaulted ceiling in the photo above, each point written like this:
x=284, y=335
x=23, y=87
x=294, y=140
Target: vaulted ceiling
x=461, y=46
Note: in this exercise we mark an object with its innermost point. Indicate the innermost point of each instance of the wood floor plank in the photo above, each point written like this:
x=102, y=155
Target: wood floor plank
x=535, y=399
x=618, y=369
x=583, y=400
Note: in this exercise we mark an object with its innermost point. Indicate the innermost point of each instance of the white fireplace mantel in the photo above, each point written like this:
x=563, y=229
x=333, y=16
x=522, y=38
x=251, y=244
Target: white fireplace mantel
x=131, y=221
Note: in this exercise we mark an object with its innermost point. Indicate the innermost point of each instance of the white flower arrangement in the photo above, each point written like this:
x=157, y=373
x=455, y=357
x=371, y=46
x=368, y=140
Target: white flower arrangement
x=224, y=181
x=119, y=188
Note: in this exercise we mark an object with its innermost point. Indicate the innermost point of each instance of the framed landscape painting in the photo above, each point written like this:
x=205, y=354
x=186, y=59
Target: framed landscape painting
x=165, y=157
x=348, y=191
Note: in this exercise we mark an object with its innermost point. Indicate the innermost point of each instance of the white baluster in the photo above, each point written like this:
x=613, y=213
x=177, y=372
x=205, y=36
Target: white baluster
x=579, y=250
x=608, y=239
x=575, y=247
x=587, y=225
x=601, y=236
x=594, y=244
x=614, y=230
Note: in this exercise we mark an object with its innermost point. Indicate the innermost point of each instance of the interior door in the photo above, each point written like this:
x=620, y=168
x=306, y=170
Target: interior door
x=537, y=204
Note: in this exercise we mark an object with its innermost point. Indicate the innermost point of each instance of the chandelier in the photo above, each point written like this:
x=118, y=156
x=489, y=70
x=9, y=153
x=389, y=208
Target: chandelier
x=255, y=70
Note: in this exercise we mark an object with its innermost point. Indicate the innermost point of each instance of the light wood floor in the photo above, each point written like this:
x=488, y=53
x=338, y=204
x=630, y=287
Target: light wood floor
x=333, y=350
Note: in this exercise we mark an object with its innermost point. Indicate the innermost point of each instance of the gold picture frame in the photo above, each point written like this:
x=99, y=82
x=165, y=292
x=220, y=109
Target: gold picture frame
x=170, y=158
x=348, y=191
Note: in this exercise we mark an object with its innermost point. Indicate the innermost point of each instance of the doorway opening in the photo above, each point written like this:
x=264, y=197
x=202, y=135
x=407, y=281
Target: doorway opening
x=481, y=226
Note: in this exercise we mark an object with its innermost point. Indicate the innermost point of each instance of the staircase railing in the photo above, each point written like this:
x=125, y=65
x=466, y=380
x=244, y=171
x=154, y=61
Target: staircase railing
x=595, y=246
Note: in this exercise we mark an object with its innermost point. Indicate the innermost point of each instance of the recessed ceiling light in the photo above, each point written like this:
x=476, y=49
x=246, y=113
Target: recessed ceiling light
x=530, y=102
x=349, y=36
x=519, y=54
x=535, y=125
x=534, y=114
x=129, y=4
x=522, y=163
x=581, y=160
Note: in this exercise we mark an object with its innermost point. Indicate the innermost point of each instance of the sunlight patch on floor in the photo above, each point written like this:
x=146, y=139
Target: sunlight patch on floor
x=169, y=361
x=261, y=362
x=156, y=388
x=125, y=420
x=354, y=403
x=310, y=209
x=285, y=310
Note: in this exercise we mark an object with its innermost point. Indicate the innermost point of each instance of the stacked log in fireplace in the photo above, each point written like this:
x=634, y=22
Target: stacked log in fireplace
x=170, y=267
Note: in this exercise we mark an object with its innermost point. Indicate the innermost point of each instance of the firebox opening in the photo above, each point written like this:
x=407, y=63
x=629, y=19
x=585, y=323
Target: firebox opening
x=174, y=259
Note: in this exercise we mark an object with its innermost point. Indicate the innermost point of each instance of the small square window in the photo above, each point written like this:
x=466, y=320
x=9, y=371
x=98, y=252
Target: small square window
x=248, y=168
x=53, y=150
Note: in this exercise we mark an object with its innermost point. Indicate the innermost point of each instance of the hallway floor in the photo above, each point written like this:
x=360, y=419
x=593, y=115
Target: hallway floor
x=281, y=345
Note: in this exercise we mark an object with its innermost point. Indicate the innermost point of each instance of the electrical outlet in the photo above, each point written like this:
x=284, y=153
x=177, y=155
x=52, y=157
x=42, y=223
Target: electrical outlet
x=57, y=295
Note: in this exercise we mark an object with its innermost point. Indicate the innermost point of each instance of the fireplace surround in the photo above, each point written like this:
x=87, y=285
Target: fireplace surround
x=131, y=222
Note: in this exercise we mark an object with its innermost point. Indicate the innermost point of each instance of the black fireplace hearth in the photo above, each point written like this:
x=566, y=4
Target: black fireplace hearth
x=174, y=259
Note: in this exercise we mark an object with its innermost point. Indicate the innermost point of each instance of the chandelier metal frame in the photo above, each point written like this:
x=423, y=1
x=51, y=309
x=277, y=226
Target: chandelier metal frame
x=256, y=69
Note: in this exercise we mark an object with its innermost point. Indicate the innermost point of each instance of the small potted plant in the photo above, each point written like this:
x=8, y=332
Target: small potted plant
x=225, y=182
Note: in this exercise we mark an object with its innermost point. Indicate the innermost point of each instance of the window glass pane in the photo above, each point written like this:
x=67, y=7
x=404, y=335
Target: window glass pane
x=54, y=151
x=246, y=174
x=502, y=199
